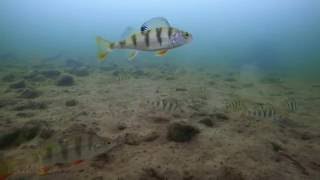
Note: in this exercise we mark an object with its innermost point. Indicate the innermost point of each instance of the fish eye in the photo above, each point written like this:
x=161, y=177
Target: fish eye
x=186, y=35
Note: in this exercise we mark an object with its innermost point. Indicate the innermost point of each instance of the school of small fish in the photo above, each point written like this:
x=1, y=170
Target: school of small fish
x=261, y=110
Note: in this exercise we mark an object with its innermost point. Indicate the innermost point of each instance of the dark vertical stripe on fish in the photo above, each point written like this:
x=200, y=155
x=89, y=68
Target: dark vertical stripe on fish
x=64, y=151
x=112, y=45
x=147, y=38
x=171, y=107
x=259, y=113
x=78, y=146
x=164, y=103
x=159, y=30
x=270, y=113
x=170, y=32
x=123, y=43
x=90, y=141
x=134, y=40
x=48, y=155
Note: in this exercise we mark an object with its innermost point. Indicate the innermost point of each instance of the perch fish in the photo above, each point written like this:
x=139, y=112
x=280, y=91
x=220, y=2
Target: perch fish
x=155, y=35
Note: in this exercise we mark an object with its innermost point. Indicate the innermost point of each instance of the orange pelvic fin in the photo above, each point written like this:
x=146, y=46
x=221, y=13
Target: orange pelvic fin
x=76, y=162
x=44, y=170
x=161, y=52
x=5, y=176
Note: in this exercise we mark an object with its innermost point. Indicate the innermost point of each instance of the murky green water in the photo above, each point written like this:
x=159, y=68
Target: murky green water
x=238, y=102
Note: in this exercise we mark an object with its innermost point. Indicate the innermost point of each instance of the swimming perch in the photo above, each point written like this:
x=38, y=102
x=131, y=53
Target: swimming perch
x=155, y=35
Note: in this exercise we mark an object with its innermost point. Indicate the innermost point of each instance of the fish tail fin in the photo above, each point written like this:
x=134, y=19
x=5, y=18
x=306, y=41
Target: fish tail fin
x=104, y=48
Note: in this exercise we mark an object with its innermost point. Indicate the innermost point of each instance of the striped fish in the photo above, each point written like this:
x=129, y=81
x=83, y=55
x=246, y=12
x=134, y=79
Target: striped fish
x=123, y=76
x=265, y=111
x=235, y=106
x=5, y=169
x=165, y=105
x=200, y=92
x=155, y=35
x=73, y=150
x=63, y=152
x=291, y=105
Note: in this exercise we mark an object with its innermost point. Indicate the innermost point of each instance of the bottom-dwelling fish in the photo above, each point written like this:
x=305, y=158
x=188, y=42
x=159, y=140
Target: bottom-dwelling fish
x=235, y=106
x=264, y=111
x=155, y=35
x=5, y=171
x=291, y=105
x=57, y=153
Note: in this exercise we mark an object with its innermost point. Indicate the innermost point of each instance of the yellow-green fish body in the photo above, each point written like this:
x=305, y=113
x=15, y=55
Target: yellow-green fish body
x=291, y=105
x=155, y=35
x=264, y=111
x=150, y=40
x=72, y=150
x=66, y=150
x=235, y=106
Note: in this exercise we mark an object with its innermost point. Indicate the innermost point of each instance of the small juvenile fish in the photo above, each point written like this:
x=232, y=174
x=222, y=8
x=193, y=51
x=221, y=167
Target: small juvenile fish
x=155, y=35
x=200, y=92
x=291, y=104
x=203, y=93
x=165, y=104
x=263, y=111
x=123, y=76
x=235, y=106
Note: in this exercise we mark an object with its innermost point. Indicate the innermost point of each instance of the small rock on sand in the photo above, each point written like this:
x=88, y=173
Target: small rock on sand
x=8, y=78
x=51, y=73
x=181, y=132
x=29, y=93
x=65, y=80
x=207, y=122
x=71, y=102
x=18, y=85
x=137, y=138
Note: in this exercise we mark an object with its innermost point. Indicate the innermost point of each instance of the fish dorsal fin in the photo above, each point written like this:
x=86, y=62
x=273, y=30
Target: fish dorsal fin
x=154, y=23
x=128, y=32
